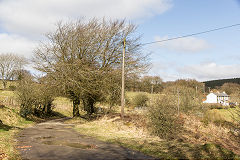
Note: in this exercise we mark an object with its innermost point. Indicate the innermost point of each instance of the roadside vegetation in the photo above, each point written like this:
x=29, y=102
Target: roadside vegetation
x=158, y=129
x=10, y=124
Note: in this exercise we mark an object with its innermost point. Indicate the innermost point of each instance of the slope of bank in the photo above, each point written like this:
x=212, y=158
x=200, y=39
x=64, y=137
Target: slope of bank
x=11, y=123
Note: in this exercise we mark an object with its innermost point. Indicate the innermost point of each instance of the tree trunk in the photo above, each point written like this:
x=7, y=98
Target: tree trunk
x=88, y=104
x=4, y=84
x=47, y=108
x=76, y=103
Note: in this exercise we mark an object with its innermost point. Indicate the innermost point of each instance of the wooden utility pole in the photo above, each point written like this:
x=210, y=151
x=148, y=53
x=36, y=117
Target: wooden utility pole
x=178, y=101
x=196, y=92
x=152, y=89
x=123, y=79
x=204, y=88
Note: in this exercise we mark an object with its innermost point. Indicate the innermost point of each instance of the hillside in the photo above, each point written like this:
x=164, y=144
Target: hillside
x=220, y=82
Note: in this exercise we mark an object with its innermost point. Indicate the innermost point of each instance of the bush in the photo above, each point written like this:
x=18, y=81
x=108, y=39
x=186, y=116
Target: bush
x=163, y=120
x=26, y=96
x=12, y=88
x=216, y=106
x=113, y=98
x=189, y=101
x=140, y=100
x=127, y=101
x=34, y=98
x=232, y=105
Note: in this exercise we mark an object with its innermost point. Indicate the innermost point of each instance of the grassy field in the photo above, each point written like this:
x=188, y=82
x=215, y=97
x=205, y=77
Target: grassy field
x=63, y=105
x=9, y=83
x=131, y=95
x=221, y=115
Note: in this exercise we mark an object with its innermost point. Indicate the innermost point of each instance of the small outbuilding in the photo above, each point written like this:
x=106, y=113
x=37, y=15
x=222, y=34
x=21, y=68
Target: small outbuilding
x=221, y=98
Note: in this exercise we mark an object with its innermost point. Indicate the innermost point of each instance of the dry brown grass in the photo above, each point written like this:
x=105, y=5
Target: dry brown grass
x=114, y=128
x=199, y=133
x=132, y=132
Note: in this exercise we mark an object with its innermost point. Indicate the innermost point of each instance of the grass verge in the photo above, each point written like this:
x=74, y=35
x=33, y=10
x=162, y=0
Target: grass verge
x=124, y=133
x=11, y=124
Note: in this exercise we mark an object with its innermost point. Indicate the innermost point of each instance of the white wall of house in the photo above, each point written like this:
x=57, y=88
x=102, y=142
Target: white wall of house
x=211, y=98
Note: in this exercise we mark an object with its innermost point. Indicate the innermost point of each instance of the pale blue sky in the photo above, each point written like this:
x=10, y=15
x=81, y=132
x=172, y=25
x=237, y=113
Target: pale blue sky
x=203, y=57
x=189, y=16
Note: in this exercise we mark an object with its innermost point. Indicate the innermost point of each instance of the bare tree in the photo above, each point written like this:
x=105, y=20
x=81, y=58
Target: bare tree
x=84, y=59
x=9, y=63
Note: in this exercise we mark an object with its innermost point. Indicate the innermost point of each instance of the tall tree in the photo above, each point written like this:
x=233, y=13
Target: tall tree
x=84, y=59
x=9, y=63
x=151, y=84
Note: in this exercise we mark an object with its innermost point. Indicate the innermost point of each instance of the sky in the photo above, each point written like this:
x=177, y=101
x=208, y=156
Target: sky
x=214, y=55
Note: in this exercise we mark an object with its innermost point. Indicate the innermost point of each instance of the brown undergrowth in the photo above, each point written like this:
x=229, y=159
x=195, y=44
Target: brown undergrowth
x=195, y=131
x=133, y=132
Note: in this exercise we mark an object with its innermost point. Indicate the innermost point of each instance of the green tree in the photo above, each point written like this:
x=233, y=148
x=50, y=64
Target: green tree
x=84, y=59
x=151, y=84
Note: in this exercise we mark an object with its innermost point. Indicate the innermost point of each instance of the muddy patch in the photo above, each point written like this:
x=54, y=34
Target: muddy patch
x=73, y=145
x=44, y=137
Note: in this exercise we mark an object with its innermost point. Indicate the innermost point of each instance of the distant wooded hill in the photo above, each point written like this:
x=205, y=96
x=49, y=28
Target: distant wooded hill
x=220, y=82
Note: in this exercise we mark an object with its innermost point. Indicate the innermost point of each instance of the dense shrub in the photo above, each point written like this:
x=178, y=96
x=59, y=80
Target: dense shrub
x=187, y=98
x=26, y=96
x=215, y=106
x=163, y=119
x=140, y=100
x=219, y=107
x=12, y=88
x=127, y=101
x=34, y=98
x=113, y=97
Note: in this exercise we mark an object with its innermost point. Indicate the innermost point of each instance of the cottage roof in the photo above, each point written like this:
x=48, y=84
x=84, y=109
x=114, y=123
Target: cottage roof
x=221, y=94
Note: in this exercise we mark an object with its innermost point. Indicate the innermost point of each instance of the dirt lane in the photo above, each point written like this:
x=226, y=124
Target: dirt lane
x=54, y=140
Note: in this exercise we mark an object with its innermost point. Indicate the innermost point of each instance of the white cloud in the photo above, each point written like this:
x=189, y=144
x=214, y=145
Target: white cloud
x=27, y=20
x=188, y=44
x=166, y=70
x=16, y=44
x=209, y=71
x=30, y=17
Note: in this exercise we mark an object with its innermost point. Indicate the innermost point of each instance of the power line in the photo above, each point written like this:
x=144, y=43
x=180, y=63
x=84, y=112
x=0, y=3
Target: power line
x=193, y=34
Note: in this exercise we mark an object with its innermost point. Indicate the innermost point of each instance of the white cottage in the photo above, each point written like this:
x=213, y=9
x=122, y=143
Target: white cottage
x=221, y=98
